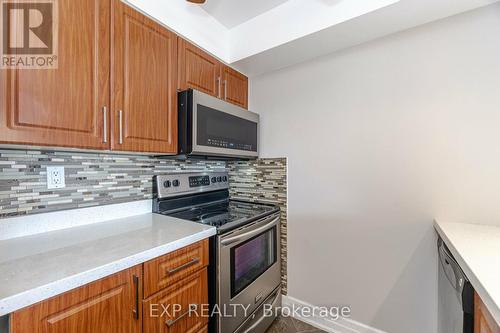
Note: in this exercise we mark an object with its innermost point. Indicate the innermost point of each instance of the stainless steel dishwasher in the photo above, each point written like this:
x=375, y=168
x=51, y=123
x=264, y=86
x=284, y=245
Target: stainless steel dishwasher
x=456, y=295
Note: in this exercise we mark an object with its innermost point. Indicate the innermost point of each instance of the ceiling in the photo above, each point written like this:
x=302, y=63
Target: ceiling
x=231, y=13
x=259, y=36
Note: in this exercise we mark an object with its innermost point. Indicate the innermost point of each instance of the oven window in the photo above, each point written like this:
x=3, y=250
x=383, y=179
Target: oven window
x=252, y=258
x=222, y=130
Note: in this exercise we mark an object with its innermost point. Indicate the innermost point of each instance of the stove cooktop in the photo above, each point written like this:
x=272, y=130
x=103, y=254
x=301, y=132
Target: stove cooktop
x=224, y=214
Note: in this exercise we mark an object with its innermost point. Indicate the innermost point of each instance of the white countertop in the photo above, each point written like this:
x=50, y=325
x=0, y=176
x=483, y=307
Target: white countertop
x=477, y=250
x=36, y=267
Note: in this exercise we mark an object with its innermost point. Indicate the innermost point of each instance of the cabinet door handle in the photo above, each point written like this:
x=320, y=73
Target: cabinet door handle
x=183, y=266
x=105, y=124
x=136, y=285
x=170, y=322
x=225, y=90
x=120, y=116
x=218, y=87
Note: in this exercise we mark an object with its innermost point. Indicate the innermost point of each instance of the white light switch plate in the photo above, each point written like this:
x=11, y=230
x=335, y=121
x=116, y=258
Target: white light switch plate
x=55, y=177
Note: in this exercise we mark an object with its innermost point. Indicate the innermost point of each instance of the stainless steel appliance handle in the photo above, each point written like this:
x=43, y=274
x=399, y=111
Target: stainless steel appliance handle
x=257, y=323
x=225, y=90
x=170, y=322
x=250, y=233
x=181, y=267
x=105, y=124
x=218, y=87
x=120, y=117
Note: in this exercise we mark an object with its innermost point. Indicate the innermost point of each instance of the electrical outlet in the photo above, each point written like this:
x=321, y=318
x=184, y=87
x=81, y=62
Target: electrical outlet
x=55, y=177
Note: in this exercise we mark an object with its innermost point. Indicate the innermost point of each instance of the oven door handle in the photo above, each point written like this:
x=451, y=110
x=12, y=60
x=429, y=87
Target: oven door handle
x=249, y=234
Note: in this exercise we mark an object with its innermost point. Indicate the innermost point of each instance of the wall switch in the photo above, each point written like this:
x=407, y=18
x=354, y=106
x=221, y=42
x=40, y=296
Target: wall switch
x=55, y=177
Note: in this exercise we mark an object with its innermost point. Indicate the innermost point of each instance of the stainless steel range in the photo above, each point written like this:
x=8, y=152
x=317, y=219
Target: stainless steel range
x=244, y=272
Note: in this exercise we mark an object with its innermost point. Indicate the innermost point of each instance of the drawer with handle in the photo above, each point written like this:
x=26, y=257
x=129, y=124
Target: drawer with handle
x=178, y=308
x=162, y=272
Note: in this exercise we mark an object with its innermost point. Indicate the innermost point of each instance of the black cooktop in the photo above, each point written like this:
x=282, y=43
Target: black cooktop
x=230, y=213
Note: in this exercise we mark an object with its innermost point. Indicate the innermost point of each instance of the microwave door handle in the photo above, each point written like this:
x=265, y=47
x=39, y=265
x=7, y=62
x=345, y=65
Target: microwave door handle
x=249, y=234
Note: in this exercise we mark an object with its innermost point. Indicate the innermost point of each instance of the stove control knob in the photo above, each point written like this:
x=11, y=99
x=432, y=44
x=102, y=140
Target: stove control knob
x=167, y=183
x=224, y=178
x=176, y=183
x=214, y=179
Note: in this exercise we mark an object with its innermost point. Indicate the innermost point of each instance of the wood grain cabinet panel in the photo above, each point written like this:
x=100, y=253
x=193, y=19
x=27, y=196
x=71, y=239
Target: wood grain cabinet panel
x=203, y=330
x=161, y=272
x=198, y=70
x=184, y=303
x=109, y=305
x=64, y=106
x=144, y=73
x=235, y=87
x=483, y=320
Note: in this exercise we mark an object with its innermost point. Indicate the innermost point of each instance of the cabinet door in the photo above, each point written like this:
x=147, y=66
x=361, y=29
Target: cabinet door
x=163, y=271
x=64, y=106
x=483, y=320
x=179, y=308
x=110, y=305
x=144, y=72
x=235, y=87
x=198, y=70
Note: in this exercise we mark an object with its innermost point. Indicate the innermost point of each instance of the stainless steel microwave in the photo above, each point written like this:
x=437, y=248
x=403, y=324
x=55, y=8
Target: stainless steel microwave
x=210, y=127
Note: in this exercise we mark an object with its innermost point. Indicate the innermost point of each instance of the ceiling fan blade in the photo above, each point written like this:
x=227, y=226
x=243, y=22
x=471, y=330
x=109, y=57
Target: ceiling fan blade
x=196, y=1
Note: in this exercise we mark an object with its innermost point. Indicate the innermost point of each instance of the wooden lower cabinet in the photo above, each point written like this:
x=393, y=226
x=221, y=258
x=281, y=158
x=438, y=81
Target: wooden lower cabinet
x=105, y=306
x=116, y=304
x=179, y=308
x=483, y=320
x=203, y=330
x=163, y=271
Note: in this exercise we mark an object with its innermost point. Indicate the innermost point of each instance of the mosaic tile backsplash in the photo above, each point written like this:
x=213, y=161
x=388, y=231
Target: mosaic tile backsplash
x=263, y=180
x=94, y=179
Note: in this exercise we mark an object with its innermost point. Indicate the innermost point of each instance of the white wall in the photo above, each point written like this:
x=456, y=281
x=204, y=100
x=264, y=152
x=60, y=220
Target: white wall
x=381, y=139
x=190, y=21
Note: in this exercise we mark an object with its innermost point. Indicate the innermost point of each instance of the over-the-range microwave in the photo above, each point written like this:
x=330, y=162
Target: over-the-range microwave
x=210, y=127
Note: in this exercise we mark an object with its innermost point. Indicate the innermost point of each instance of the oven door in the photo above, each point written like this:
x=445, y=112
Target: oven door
x=249, y=269
x=223, y=129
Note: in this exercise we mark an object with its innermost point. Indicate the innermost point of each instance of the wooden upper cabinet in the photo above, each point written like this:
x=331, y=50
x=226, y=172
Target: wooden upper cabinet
x=235, y=87
x=109, y=305
x=64, y=106
x=198, y=70
x=144, y=73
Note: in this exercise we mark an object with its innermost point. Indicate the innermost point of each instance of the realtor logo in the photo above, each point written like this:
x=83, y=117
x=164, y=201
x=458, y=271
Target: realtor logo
x=29, y=34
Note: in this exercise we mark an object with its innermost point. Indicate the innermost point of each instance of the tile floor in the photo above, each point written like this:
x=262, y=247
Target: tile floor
x=291, y=325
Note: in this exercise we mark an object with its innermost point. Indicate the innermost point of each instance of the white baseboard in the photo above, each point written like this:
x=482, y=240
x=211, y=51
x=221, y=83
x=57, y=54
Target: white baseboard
x=341, y=325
